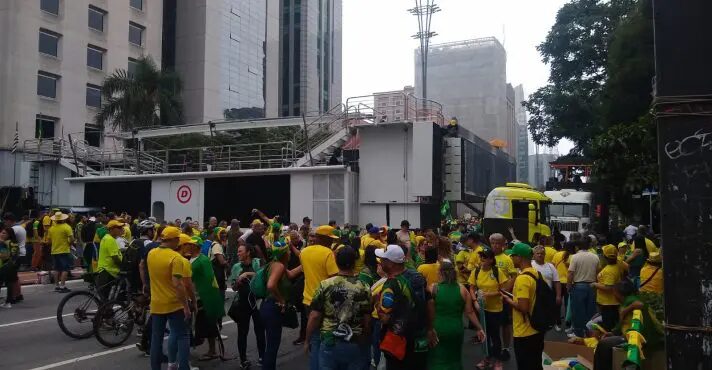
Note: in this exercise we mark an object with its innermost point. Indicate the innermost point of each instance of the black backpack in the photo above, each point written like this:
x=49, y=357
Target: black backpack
x=131, y=259
x=495, y=271
x=544, y=314
x=416, y=325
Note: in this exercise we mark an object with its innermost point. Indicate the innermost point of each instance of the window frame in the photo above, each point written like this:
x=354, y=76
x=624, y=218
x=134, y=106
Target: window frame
x=128, y=66
x=39, y=118
x=103, y=13
x=48, y=11
x=101, y=51
x=92, y=87
x=94, y=129
x=49, y=75
x=135, y=8
x=49, y=33
x=140, y=27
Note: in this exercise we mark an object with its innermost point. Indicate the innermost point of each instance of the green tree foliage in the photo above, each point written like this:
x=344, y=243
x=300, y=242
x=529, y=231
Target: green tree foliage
x=600, y=90
x=148, y=97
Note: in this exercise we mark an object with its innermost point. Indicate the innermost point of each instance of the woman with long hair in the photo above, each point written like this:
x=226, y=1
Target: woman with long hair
x=637, y=259
x=611, y=274
x=245, y=303
x=449, y=300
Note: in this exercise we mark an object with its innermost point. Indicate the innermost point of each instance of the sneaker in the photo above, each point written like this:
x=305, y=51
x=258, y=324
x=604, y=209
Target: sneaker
x=299, y=341
x=571, y=335
x=64, y=289
x=505, y=354
x=484, y=364
x=172, y=366
x=498, y=365
x=245, y=365
x=259, y=361
x=6, y=305
x=19, y=298
x=142, y=348
x=223, y=336
x=373, y=364
x=569, y=330
x=557, y=328
x=57, y=288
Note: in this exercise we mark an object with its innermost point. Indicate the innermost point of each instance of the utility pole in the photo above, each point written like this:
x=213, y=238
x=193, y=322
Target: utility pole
x=424, y=10
x=683, y=115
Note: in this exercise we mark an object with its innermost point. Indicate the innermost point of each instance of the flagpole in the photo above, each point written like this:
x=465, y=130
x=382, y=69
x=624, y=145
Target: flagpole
x=14, y=153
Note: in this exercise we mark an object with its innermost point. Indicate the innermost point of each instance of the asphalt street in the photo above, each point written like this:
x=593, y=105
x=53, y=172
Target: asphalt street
x=31, y=339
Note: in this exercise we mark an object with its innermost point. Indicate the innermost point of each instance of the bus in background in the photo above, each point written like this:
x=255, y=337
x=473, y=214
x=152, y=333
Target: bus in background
x=518, y=206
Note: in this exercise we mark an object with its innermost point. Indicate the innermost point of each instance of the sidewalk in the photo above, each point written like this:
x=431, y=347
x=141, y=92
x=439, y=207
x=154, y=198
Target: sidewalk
x=31, y=277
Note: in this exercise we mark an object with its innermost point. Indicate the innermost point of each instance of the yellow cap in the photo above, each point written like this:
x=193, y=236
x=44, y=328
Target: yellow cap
x=185, y=239
x=114, y=223
x=655, y=257
x=326, y=230
x=419, y=239
x=256, y=222
x=610, y=251
x=170, y=232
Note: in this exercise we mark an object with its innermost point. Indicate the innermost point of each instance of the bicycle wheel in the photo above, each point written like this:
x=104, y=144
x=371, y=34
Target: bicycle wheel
x=114, y=323
x=76, y=312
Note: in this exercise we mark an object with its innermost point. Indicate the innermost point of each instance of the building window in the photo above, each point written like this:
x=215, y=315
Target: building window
x=329, y=202
x=44, y=127
x=50, y=6
x=133, y=64
x=93, y=96
x=92, y=135
x=47, y=84
x=136, y=34
x=49, y=42
x=96, y=18
x=136, y=4
x=95, y=57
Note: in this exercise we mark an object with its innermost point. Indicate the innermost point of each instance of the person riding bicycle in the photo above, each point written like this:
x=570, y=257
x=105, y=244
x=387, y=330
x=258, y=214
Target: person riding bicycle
x=109, y=263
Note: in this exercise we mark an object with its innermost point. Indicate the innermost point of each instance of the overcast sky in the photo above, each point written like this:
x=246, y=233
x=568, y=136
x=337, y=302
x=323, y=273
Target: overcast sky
x=378, y=51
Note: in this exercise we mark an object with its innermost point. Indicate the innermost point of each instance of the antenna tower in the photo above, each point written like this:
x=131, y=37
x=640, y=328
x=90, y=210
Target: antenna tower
x=424, y=10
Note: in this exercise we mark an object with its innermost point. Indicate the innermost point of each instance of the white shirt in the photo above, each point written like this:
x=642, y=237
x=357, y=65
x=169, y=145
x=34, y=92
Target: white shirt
x=630, y=231
x=21, y=236
x=548, y=272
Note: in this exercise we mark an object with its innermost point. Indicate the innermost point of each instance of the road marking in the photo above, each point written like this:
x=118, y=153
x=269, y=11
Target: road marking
x=98, y=354
x=33, y=320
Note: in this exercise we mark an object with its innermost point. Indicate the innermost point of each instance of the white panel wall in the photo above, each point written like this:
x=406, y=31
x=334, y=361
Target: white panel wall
x=422, y=149
x=168, y=191
x=386, y=165
x=301, y=197
x=376, y=214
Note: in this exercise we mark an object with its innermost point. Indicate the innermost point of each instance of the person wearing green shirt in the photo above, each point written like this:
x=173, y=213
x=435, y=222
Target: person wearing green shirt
x=210, y=302
x=109, y=260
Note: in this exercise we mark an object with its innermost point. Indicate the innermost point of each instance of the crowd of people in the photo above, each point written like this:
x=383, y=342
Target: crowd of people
x=357, y=296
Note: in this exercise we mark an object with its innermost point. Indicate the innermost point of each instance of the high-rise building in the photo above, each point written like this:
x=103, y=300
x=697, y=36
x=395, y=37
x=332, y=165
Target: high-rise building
x=227, y=53
x=54, y=56
x=394, y=106
x=522, y=135
x=309, y=56
x=469, y=78
x=539, y=170
x=511, y=131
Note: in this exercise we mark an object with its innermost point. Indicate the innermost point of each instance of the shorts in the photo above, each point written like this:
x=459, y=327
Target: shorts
x=62, y=262
x=205, y=327
x=506, y=314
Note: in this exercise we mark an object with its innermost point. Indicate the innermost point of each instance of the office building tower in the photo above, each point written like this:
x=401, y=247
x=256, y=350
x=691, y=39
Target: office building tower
x=522, y=135
x=469, y=79
x=309, y=56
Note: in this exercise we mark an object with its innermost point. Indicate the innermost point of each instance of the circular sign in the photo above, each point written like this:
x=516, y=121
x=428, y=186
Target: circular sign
x=184, y=194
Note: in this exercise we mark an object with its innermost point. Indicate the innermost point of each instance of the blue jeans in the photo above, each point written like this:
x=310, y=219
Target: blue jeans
x=374, y=353
x=342, y=356
x=583, y=307
x=178, y=340
x=271, y=316
x=314, y=350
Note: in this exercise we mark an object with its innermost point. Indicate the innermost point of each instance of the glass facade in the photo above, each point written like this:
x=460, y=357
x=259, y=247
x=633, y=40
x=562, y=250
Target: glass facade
x=243, y=58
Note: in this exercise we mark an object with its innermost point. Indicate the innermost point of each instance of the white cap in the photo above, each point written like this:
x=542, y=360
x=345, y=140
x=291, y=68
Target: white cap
x=393, y=253
x=92, y=218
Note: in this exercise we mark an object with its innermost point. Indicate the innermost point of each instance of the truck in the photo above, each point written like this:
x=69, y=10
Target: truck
x=518, y=206
x=571, y=210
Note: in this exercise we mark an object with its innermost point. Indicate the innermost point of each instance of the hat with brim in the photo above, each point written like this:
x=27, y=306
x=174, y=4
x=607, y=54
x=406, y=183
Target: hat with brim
x=486, y=253
x=521, y=250
x=326, y=230
x=393, y=253
x=184, y=239
x=170, y=232
x=59, y=216
x=114, y=223
x=655, y=257
x=609, y=251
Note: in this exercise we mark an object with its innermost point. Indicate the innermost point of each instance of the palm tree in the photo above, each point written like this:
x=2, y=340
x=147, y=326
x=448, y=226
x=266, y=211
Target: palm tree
x=147, y=97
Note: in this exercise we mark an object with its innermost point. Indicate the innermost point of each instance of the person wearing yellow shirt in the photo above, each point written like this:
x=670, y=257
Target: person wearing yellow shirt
x=431, y=268
x=462, y=258
x=651, y=275
x=109, y=261
x=318, y=263
x=561, y=261
x=528, y=342
x=549, y=251
x=474, y=242
x=486, y=281
x=60, y=237
x=170, y=303
x=608, y=277
x=506, y=265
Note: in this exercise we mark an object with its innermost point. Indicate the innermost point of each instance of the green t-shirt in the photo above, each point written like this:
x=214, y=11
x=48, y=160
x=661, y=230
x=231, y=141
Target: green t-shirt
x=108, y=248
x=207, y=287
x=343, y=301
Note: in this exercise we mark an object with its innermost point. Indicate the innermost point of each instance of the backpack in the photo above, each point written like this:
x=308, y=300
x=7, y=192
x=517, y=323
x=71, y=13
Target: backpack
x=88, y=232
x=258, y=284
x=544, y=314
x=205, y=248
x=495, y=271
x=415, y=323
x=131, y=258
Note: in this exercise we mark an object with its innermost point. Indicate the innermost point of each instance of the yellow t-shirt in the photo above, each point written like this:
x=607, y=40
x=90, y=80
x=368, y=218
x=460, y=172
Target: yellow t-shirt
x=549, y=253
x=591, y=342
x=650, y=246
x=127, y=233
x=655, y=285
x=187, y=269
x=318, y=264
x=358, y=266
x=524, y=288
x=108, y=248
x=163, y=264
x=474, y=259
x=431, y=272
x=47, y=223
x=487, y=283
x=376, y=289
x=461, y=259
x=610, y=275
x=368, y=240
x=60, y=236
x=561, y=266
x=505, y=264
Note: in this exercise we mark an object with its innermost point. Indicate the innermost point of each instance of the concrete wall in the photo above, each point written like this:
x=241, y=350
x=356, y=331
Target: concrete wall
x=168, y=191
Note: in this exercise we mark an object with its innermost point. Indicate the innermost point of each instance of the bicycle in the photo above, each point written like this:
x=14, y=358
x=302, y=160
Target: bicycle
x=115, y=320
x=82, y=306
